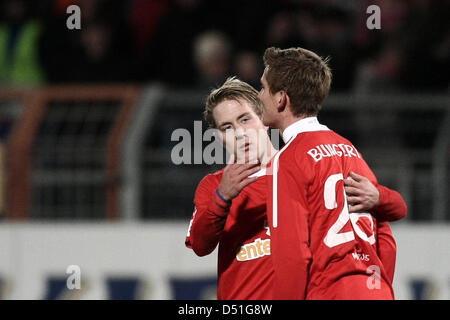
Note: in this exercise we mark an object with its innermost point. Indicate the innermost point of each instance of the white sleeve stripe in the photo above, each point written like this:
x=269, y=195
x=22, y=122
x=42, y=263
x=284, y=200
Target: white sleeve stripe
x=190, y=223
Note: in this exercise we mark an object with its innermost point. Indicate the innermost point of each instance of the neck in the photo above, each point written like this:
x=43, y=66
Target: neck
x=268, y=153
x=287, y=121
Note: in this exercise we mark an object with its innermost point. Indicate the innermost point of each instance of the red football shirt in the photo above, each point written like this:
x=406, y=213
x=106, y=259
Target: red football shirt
x=241, y=230
x=319, y=250
x=245, y=269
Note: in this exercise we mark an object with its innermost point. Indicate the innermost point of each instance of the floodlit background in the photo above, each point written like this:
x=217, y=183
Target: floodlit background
x=86, y=118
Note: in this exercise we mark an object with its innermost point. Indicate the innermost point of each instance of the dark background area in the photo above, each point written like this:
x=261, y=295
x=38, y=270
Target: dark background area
x=198, y=43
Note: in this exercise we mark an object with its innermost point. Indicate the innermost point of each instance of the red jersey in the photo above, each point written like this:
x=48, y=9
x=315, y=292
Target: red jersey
x=319, y=250
x=241, y=230
x=245, y=269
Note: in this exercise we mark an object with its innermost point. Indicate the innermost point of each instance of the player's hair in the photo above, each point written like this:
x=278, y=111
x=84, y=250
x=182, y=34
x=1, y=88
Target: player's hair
x=232, y=89
x=304, y=76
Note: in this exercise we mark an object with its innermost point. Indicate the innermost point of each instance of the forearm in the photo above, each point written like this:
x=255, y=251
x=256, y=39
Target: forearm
x=387, y=249
x=208, y=225
x=391, y=206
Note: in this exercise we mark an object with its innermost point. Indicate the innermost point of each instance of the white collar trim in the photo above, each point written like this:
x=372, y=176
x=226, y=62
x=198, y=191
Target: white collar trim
x=260, y=173
x=303, y=125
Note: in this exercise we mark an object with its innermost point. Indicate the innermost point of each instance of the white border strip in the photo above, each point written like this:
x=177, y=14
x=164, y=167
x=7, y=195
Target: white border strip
x=275, y=184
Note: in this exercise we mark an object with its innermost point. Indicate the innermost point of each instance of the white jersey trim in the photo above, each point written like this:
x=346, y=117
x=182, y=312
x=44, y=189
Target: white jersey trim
x=303, y=125
x=275, y=184
x=260, y=173
x=309, y=124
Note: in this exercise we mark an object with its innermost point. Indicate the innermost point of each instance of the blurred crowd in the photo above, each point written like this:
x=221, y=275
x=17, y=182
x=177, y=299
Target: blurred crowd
x=198, y=43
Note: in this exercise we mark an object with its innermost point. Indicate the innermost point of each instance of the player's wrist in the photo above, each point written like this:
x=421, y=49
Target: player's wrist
x=222, y=197
x=378, y=198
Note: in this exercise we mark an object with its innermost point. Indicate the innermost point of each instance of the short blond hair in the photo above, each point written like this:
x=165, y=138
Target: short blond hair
x=232, y=89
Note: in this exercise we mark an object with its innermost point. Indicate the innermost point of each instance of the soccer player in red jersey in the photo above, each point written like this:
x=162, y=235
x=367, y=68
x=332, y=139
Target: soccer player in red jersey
x=322, y=248
x=230, y=205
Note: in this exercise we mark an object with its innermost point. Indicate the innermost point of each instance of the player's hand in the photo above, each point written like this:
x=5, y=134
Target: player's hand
x=362, y=195
x=235, y=178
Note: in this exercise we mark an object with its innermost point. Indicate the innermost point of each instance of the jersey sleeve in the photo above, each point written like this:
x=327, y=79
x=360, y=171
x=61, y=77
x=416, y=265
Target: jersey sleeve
x=208, y=219
x=387, y=249
x=291, y=255
x=391, y=207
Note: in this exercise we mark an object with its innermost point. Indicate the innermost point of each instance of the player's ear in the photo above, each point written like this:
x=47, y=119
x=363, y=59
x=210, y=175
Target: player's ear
x=282, y=100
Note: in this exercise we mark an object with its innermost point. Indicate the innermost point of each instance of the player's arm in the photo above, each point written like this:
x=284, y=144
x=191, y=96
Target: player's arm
x=386, y=205
x=212, y=205
x=290, y=251
x=391, y=206
x=387, y=248
x=208, y=219
x=363, y=196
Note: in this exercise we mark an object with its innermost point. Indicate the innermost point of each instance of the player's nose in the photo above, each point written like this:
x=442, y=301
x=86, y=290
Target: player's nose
x=239, y=133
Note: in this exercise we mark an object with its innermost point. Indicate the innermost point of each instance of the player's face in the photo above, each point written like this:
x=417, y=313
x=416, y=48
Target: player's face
x=242, y=131
x=268, y=101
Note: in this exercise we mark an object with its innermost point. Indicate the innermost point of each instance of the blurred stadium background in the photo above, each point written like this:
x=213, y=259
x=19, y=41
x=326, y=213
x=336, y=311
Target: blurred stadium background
x=86, y=118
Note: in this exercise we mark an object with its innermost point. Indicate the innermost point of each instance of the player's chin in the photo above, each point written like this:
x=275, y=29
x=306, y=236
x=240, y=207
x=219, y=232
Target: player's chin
x=251, y=157
x=247, y=157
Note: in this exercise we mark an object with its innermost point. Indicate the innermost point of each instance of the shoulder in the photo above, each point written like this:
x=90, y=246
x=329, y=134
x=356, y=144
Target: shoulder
x=210, y=181
x=319, y=140
x=295, y=149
